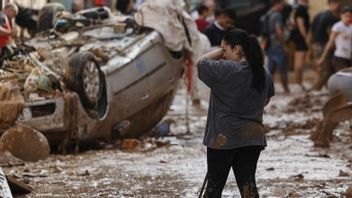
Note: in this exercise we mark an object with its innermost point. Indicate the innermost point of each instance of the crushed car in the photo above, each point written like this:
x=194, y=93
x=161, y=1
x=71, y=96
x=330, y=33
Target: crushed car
x=95, y=76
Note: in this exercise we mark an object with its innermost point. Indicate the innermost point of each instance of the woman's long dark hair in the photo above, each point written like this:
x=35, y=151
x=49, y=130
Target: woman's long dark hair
x=253, y=53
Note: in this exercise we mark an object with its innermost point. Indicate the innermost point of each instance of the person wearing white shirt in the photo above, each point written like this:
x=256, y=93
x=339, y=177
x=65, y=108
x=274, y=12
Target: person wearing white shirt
x=341, y=37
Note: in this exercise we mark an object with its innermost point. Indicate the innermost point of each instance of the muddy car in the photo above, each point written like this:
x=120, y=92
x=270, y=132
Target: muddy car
x=95, y=81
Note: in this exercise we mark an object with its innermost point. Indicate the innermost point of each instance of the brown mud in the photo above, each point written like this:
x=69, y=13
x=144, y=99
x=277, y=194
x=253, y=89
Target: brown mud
x=289, y=167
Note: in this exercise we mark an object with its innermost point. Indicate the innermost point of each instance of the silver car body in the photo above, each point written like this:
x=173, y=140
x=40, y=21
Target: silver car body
x=141, y=80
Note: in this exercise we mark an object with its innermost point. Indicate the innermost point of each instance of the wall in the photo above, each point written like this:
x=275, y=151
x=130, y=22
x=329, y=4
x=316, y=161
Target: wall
x=318, y=5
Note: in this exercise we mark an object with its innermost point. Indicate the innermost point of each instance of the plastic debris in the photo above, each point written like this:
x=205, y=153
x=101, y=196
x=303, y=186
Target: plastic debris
x=37, y=80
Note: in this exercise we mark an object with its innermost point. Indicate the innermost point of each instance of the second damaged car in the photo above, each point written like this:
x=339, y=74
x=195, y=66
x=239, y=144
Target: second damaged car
x=91, y=79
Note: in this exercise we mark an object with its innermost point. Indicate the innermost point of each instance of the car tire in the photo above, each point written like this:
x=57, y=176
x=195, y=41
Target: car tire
x=84, y=76
x=47, y=16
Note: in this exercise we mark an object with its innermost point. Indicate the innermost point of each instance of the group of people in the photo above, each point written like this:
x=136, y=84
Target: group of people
x=326, y=37
x=241, y=86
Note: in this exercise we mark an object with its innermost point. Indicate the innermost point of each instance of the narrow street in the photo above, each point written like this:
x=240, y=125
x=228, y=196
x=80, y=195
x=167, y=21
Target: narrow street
x=80, y=77
x=289, y=167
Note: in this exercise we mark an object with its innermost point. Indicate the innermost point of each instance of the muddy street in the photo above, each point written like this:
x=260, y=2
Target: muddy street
x=289, y=167
x=110, y=98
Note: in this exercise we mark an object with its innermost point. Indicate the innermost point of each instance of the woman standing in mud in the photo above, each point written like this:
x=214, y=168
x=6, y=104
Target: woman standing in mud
x=240, y=88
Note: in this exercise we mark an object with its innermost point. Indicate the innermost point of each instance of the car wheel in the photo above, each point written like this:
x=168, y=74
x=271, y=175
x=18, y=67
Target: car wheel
x=84, y=76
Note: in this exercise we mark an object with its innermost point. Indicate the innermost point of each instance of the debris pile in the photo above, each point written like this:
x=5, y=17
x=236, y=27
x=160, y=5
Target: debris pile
x=32, y=81
x=11, y=103
x=37, y=70
x=34, y=75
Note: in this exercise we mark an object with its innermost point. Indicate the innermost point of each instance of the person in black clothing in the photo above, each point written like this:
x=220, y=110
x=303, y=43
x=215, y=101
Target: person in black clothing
x=286, y=13
x=224, y=20
x=27, y=19
x=319, y=36
x=299, y=36
x=125, y=6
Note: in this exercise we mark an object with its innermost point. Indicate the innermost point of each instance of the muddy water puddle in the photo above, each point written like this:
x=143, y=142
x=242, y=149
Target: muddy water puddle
x=289, y=167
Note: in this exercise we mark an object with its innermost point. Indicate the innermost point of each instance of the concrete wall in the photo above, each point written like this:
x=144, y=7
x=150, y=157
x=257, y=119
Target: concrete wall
x=318, y=5
x=347, y=2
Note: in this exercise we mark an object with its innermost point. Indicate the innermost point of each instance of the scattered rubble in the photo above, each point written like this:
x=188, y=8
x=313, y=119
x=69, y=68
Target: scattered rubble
x=343, y=174
x=147, y=144
x=84, y=173
x=169, y=171
x=348, y=192
x=11, y=104
x=130, y=144
x=298, y=178
x=7, y=159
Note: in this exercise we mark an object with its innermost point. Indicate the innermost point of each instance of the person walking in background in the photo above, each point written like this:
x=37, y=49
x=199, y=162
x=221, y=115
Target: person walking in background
x=341, y=38
x=319, y=36
x=276, y=42
x=125, y=6
x=299, y=36
x=26, y=19
x=240, y=88
x=224, y=20
x=202, y=20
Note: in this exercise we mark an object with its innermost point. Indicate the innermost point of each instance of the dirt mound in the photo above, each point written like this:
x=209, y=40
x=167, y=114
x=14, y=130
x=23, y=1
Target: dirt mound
x=25, y=143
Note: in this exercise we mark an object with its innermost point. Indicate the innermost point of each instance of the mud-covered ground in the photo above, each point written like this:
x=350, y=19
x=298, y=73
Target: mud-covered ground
x=289, y=167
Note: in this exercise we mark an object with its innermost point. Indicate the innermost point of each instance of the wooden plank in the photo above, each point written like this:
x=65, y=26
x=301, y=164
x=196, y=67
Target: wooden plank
x=5, y=191
x=18, y=187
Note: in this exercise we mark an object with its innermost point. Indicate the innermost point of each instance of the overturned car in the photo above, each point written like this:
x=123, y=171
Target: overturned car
x=94, y=79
